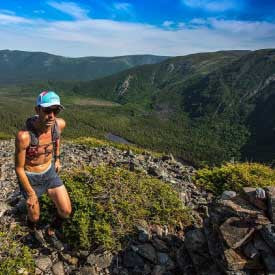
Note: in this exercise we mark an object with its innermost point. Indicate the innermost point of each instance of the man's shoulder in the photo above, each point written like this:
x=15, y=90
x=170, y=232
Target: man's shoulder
x=23, y=137
x=61, y=123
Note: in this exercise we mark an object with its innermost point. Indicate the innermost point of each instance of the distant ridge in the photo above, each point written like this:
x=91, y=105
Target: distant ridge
x=25, y=67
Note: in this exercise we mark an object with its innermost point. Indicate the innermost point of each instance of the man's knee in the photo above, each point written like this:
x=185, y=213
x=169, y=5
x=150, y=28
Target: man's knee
x=34, y=217
x=65, y=212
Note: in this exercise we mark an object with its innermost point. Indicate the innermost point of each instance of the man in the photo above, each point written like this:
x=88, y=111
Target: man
x=37, y=162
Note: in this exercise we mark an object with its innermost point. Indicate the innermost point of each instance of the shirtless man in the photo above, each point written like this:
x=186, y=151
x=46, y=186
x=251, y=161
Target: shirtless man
x=37, y=162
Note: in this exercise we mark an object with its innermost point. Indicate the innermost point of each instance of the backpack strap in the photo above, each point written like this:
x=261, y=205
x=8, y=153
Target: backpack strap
x=32, y=131
x=55, y=132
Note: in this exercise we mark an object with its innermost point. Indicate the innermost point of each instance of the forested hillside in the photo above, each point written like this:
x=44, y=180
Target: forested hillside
x=205, y=108
x=25, y=67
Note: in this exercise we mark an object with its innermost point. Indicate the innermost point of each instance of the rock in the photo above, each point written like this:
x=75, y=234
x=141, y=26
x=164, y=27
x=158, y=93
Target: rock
x=157, y=229
x=255, y=197
x=3, y=208
x=236, y=261
x=269, y=262
x=69, y=259
x=143, y=234
x=88, y=270
x=195, y=241
x=250, y=251
x=227, y=195
x=260, y=193
x=268, y=234
x=270, y=192
x=58, y=268
x=241, y=208
x=102, y=260
x=163, y=258
x=158, y=270
x=148, y=252
x=43, y=263
x=132, y=259
x=159, y=245
x=235, y=232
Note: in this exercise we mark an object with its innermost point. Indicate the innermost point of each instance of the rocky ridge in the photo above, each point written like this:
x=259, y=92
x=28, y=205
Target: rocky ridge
x=232, y=234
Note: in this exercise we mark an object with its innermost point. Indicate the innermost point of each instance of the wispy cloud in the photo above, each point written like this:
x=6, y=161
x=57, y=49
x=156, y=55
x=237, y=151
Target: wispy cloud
x=6, y=18
x=168, y=23
x=213, y=5
x=70, y=8
x=123, y=6
x=86, y=36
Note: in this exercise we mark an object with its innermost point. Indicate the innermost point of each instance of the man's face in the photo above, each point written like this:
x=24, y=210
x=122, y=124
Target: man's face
x=47, y=115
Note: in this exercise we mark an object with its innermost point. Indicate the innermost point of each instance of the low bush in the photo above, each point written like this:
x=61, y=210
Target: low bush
x=108, y=202
x=15, y=258
x=235, y=176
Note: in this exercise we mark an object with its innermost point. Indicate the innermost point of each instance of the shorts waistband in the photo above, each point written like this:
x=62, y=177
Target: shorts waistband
x=40, y=173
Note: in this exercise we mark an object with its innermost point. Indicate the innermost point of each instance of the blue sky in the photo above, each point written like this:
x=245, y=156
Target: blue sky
x=112, y=28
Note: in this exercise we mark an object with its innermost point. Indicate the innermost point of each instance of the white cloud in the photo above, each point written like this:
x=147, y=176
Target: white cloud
x=168, y=23
x=98, y=37
x=213, y=5
x=39, y=11
x=123, y=6
x=12, y=19
x=70, y=8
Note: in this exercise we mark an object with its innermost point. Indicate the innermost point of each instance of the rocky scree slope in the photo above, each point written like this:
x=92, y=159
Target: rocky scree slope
x=232, y=234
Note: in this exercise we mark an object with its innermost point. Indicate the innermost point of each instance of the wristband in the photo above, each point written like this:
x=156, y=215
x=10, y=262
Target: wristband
x=57, y=157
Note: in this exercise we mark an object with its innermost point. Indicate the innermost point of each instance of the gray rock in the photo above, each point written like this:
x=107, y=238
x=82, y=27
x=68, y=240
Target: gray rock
x=163, y=258
x=236, y=231
x=143, y=234
x=268, y=234
x=196, y=245
x=270, y=192
x=3, y=208
x=102, y=260
x=132, y=259
x=88, y=270
x=43, y=263
x=148, y=252
x=227, y=195
x=58, y=268
x=260, y=193
x=269, y=262
x=158, y=270
x=256, y=197
x=159, y=245
x=250, y=251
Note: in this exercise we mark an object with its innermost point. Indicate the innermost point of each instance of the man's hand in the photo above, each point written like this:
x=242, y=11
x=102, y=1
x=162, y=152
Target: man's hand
x=32, y=200
x=57, y=165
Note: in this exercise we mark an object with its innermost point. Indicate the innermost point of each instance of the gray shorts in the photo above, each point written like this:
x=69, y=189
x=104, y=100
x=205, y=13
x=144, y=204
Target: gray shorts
x=41, y=182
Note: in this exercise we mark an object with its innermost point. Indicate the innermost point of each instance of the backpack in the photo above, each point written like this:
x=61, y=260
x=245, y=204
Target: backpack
x=32, y=150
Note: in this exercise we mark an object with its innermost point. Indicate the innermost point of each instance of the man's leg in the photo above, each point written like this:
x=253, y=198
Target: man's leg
x=33, y=213
x=62, y=201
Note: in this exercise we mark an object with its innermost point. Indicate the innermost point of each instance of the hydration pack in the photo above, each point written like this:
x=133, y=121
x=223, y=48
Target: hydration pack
x=32, y=150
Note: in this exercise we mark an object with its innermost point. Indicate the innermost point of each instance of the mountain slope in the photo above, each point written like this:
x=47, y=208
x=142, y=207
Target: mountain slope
x=24, y=67
x=228, y=94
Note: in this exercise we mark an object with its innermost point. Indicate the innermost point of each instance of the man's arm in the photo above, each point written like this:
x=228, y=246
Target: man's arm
x=21, y=143
x=61, y=124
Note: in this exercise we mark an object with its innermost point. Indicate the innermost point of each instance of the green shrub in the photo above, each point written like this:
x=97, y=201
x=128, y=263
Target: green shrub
x=4, y=136
x=108, y=202
x=234, y=176
x=13, y=255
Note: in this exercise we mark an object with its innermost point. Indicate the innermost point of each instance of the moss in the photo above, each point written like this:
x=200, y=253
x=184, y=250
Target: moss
x=94, y=142
x=108, y=202
x=4, y=136
x=235, y=176
x=13, y=255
